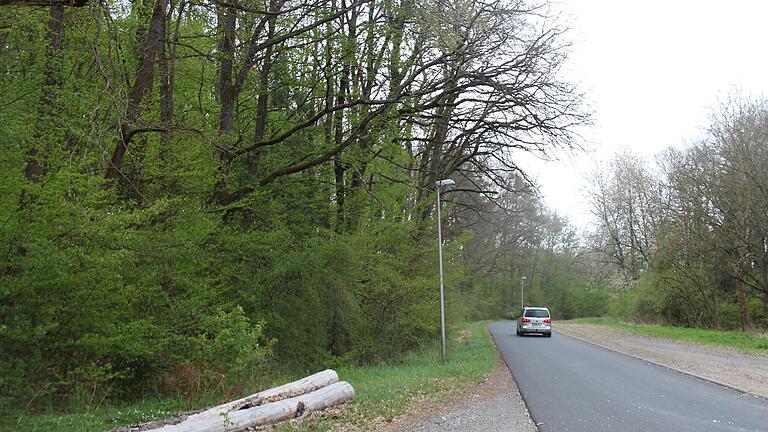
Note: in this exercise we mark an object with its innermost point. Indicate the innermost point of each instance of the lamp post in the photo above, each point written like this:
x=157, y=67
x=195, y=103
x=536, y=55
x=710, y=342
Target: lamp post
x=446, y=183
x=522, y=291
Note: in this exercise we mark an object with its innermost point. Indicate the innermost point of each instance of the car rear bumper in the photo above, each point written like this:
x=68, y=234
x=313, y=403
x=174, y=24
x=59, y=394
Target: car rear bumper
x=539, y=330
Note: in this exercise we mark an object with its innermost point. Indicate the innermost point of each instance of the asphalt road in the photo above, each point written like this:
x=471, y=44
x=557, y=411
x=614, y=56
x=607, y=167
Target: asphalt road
x=572, y=386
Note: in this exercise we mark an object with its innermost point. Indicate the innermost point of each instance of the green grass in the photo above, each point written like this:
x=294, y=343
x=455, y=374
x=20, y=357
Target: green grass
x=382, y=391
x=751, y=342
x=386, y=391
x=100, y=419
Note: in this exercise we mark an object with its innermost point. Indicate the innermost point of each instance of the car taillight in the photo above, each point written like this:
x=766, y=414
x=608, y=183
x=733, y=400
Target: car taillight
x=526, y=320
x=548, y=321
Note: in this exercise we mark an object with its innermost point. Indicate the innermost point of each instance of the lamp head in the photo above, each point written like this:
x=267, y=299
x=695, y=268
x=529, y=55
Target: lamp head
x=445, y=183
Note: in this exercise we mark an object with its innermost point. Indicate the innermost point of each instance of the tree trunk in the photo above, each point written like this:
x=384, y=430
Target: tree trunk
x=51, y=83
x=338, y=164
x=330, y=86
x=740, y=269
x=431, y=166
x=145, y=75
x=227, y=23
x=53, y=59
x=166, y=86
x=363, y=87
x=746, y=316
x=262, y=103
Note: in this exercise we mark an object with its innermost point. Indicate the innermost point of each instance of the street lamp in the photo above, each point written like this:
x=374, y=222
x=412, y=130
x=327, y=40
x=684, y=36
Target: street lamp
x=446, y=183
x=522, y=291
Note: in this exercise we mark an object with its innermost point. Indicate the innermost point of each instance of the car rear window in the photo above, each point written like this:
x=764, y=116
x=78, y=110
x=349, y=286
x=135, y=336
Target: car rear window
x=536, y=313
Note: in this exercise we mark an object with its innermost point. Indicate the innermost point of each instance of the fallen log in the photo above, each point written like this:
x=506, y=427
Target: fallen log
x=295, y=388
x=273, y=412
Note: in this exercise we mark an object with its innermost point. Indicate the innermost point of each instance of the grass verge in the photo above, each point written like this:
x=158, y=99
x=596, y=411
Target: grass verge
x=99, y=419
x=383, y=392
x=751, y=342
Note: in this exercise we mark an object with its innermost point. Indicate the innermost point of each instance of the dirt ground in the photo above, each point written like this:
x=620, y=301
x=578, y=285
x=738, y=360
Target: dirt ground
x=746, y=372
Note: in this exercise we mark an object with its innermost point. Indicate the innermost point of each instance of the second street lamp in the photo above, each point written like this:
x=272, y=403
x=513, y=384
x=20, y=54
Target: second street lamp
x=446, y=183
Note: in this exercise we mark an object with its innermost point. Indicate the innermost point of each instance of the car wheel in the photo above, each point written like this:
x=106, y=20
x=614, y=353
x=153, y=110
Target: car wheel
x=548, y=335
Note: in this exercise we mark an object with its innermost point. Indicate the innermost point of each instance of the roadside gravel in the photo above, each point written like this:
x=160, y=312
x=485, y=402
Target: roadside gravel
x=494, y=405
x=742, y=371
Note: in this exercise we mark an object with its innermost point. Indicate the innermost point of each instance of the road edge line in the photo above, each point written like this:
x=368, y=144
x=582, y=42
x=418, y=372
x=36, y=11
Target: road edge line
x=517, y=387
x=684, y=372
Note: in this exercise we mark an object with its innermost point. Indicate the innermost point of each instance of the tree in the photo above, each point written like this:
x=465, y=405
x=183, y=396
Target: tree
x=196, y=174
x=696, y=226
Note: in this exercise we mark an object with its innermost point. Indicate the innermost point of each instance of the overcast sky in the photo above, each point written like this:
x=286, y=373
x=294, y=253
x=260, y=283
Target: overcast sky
x=652, y=71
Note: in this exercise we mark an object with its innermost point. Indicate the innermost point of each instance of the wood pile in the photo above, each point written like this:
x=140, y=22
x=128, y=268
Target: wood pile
x=293, y=400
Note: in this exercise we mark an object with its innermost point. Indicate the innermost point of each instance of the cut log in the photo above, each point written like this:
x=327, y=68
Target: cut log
x=273, y=412
x=295, y=388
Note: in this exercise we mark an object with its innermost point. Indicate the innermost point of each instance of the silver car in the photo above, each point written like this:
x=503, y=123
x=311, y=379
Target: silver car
x=535, y=320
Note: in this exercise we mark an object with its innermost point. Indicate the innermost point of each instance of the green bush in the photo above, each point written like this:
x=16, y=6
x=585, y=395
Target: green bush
x=757, y=309
x=730, y=315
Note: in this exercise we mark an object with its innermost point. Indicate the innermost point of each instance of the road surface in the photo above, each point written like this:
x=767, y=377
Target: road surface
x=573, y=386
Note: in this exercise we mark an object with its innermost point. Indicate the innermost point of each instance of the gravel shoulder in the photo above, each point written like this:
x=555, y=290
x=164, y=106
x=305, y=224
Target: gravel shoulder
x=745, y=372
x=494, y=405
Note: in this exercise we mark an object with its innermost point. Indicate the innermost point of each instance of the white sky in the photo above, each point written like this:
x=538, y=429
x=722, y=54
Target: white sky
x=651, y=71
